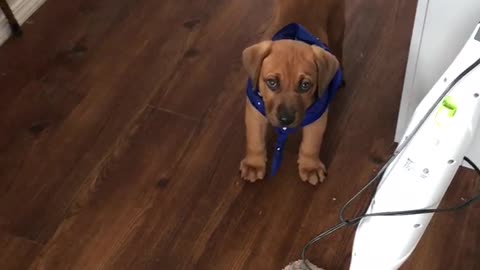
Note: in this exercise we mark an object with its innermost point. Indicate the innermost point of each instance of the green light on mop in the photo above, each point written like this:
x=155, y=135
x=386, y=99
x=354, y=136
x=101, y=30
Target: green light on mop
x=447, y=110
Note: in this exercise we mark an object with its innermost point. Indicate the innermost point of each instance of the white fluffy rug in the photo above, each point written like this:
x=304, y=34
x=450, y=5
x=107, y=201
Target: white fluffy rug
x=298, y=265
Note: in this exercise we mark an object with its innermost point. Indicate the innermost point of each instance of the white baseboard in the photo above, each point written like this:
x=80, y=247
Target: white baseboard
x=22, y=9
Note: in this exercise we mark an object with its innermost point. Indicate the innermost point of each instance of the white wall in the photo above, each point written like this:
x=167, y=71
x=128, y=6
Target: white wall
x=440, y=31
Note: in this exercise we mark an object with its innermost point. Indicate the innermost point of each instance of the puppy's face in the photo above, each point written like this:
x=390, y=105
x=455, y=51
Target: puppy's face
x=289, y=76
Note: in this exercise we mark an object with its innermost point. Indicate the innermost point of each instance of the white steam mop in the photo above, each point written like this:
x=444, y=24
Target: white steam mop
x=422, y=168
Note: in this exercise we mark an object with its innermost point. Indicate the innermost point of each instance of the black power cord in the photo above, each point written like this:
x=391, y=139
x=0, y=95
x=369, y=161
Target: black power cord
x=356, y=220
x=353, y=221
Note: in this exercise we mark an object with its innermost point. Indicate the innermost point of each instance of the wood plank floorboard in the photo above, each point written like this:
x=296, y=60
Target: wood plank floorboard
x=17, y=253
x=122, y=132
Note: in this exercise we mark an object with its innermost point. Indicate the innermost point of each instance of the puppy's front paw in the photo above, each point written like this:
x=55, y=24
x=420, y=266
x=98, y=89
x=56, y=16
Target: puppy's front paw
x=312, y=170
x=252, y=168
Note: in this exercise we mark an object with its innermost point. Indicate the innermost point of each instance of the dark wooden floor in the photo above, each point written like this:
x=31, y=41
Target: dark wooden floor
x=122, y=131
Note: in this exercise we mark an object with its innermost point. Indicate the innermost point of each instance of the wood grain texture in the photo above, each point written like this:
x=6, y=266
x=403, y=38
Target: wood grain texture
x=112, y=210
x=16, y=253
x=85, y=116
x=122, y=132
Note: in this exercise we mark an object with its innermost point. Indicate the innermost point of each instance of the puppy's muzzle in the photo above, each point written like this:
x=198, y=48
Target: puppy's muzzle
x=285, y=116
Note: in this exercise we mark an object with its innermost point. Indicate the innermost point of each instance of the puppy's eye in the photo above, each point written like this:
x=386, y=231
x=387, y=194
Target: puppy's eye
x=272, y=84
x=304, y=86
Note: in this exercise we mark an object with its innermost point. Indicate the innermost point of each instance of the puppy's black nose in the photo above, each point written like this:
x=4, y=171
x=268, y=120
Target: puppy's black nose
x=285, y=116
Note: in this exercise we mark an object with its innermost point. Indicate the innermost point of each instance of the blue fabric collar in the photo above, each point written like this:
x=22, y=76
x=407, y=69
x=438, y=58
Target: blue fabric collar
x=315, y=111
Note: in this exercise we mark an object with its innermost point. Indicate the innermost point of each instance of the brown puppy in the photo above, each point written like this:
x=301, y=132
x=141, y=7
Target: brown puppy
x=290, y=75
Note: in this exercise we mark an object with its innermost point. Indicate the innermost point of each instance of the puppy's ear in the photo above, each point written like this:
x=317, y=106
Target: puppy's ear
x=252, y=58
x=327, y=65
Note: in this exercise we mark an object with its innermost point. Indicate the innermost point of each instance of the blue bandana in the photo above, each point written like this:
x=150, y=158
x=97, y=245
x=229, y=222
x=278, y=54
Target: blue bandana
x=315, y=111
